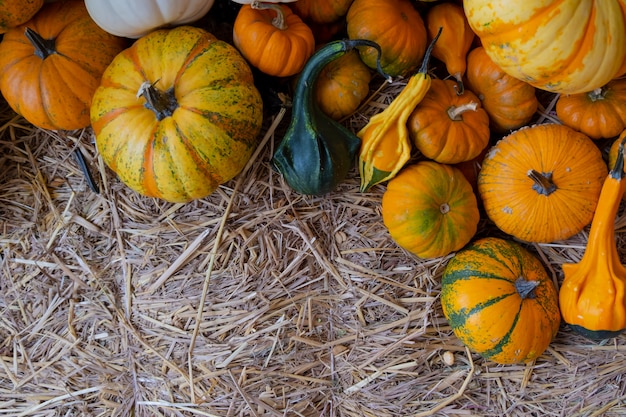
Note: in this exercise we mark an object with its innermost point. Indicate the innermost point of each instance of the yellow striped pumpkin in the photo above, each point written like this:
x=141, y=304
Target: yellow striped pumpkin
x=177, y=114
x=499, y=301
x=564, y=46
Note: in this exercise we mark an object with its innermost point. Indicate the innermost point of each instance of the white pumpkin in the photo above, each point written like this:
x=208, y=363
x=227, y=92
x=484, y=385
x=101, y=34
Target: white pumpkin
x=135, y=18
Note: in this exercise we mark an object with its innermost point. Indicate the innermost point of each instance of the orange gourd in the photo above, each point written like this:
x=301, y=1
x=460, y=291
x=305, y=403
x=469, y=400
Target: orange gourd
x=509, y=102
x=15, y=12
x=600, y=113
x=449, y=127
x=455, y=41
x=321, y=11
x=272, y=38
x=593, y=294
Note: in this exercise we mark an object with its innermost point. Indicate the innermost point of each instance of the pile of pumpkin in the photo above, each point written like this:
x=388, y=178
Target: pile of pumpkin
x=176, y=112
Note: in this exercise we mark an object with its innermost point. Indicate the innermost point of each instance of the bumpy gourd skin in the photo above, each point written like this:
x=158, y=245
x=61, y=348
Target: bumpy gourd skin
x=593, y=294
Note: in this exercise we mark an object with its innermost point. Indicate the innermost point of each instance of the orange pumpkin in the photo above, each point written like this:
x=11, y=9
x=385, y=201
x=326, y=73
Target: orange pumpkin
x=342, y=85
x=509, y=102
x=273, y=39
x=16, y=12
x=542, y=183
x=321, y=11
x=448, y=127
x=393, y=24
x=430, y=209
x=600, y=113
x=51, y=65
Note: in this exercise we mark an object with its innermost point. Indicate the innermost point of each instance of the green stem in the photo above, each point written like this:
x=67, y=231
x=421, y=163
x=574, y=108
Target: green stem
x=43, y=47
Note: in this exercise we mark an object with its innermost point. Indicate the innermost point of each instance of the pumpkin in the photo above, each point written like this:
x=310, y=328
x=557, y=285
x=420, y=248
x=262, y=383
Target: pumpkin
x=396, y=26
x=455, y=41
x=273, y=39
x=51, y=65
x=499, y=301
x=15, y=12
x=509, y=102
x=385, y=142
x=177, y=114
x=599, y=114
x=321, y=11
x=342, y=85
x=448, y=127
x=560, y=46
x=133, y=19
x=542, y=183
x=430, y=209
x=593, y=294
x=316, y=152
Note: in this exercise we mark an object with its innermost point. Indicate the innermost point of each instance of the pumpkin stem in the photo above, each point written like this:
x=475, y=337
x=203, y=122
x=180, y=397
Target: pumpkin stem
x=162, y=103
x=596, y=94
x=455, y=112
x=525, y=288
x=444, y=208
x=279, y=20
x=543, y=183
x=43, y=47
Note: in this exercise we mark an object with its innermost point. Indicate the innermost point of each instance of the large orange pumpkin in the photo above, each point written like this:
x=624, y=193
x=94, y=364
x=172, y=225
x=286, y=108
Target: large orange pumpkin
x=542, y=183
x=51, y=65
x=177, y=114
x=562, y=46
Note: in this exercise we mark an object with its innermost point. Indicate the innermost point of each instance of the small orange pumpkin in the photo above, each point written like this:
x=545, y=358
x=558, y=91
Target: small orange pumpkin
x=509, y=102
x=430, y=209
x=321, y=11
x=273, y=38
x=51, y=65
x=15, y=12
x=393, y=24
x=542, y=183
x=599, y=114
x=342, y=85
x=448, y=127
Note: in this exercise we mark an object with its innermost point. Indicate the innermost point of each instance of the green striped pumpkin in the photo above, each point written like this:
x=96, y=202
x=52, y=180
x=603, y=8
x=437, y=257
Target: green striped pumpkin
x=499, y=301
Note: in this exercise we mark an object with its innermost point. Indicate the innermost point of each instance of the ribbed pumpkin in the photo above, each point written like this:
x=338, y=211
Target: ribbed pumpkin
x=561, y=46
x=393, y=24
x=542, y=183
x=16, y=12
x=499, y=301
x=600, y=113
x=449, y=127
x=51, y=65
x=273, y=38
x=430, y=209
x=177, y=114
x=509, y=102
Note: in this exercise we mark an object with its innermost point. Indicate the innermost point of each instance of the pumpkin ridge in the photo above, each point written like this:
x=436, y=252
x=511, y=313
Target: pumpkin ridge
x=458, y=319
x=505, y=340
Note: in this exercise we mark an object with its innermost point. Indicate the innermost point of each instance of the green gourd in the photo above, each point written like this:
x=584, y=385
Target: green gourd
x=316, y=153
